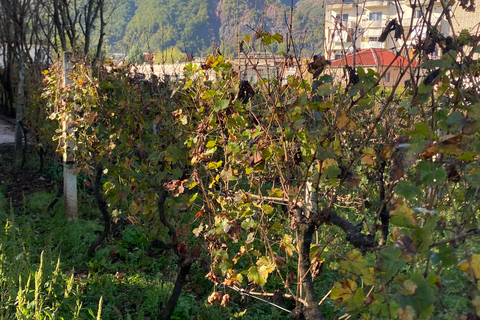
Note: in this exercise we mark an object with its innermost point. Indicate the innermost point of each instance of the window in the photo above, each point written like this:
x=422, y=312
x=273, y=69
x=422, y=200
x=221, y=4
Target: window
x=386, y=78
x=375, y=16
x=417, y=14
x=342, y=17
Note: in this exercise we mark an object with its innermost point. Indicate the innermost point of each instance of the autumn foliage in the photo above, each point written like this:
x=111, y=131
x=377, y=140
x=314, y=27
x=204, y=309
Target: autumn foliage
x=295, y=179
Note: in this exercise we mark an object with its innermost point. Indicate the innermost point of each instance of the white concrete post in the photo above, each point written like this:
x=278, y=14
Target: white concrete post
x=69, y=179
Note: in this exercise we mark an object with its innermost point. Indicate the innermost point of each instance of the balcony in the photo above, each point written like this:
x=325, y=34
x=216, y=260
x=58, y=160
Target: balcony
x=376, y=3
x=368, y=24
x=372, y=45
x=343, y=5
x=339, y=46
x=436, y=3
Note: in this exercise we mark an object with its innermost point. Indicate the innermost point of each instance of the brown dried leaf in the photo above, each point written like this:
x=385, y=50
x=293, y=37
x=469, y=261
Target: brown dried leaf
x=225, y=300
x=397, y=171
x=317, y=268
x=175, y=186
x=279, y=261
x=368, y=159
x=430, y=151
x=214, y=297
x=90, y=119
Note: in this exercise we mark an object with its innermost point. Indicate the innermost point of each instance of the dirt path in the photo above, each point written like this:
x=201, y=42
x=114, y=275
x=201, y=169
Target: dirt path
x=7, y=130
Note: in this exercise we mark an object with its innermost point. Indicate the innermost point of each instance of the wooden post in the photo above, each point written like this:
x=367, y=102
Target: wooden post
x=69, y=178
x=20, y=111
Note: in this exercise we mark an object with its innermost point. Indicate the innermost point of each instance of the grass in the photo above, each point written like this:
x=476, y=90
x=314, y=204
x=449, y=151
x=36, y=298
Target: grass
x=45, y=272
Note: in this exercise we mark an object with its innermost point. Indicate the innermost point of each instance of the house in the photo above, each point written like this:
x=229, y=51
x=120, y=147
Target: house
x=263, y=64
x=352, y=25
x=382, y=61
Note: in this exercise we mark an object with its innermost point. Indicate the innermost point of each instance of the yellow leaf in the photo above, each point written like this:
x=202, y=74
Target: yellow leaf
x=464, y=266
x=247, y=38
x=329, y=162
x=387, y=151
x=343, y=290
x=355, y=255
x=344, y=123
x=367, y=276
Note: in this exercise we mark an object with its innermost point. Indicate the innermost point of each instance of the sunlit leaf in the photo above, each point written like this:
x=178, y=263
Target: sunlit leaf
x=286, y=244
x=275, y=192
x=221, y=104
x=254, y=276
x=403, y=216
x=343, y=290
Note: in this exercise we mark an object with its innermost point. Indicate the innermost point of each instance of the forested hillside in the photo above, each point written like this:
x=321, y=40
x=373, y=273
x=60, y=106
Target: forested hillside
x=195, y=26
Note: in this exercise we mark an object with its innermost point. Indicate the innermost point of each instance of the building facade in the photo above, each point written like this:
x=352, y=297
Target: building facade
x=354, y=25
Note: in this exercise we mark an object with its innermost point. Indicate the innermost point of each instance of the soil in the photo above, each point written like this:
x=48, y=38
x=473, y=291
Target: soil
x=7, y=130
x=17, y=183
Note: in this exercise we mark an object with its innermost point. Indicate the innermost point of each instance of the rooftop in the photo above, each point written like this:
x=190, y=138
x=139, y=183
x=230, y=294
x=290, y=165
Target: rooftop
x=373, y=57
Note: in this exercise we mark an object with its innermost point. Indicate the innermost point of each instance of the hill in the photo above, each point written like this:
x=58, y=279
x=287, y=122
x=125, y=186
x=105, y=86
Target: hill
x=195, y=26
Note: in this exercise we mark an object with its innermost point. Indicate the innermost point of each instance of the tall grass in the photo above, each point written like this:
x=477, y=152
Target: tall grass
x=31, y=282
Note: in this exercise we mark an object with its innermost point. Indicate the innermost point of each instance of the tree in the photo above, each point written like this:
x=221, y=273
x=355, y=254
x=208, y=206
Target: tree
x=169, y=55
x=291, y=171
x=135, y=56
x=20, y=21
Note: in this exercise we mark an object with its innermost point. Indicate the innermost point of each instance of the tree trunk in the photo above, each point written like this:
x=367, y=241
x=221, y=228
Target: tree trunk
x=306, y=231
x=167, y=312
x=184, y=261
x=102, y=205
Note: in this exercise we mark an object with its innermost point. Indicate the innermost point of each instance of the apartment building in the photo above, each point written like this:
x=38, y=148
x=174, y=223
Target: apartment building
x=463, y=19
x=354, y=25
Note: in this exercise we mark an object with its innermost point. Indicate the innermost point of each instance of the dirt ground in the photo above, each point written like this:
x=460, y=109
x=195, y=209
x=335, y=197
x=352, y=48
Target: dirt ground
x=16, y=183
x=7, y=130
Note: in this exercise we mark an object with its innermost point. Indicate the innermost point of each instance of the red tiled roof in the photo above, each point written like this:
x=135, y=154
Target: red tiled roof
x=373, y=57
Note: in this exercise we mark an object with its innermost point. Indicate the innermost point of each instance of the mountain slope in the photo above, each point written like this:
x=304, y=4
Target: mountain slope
x=197, y=26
